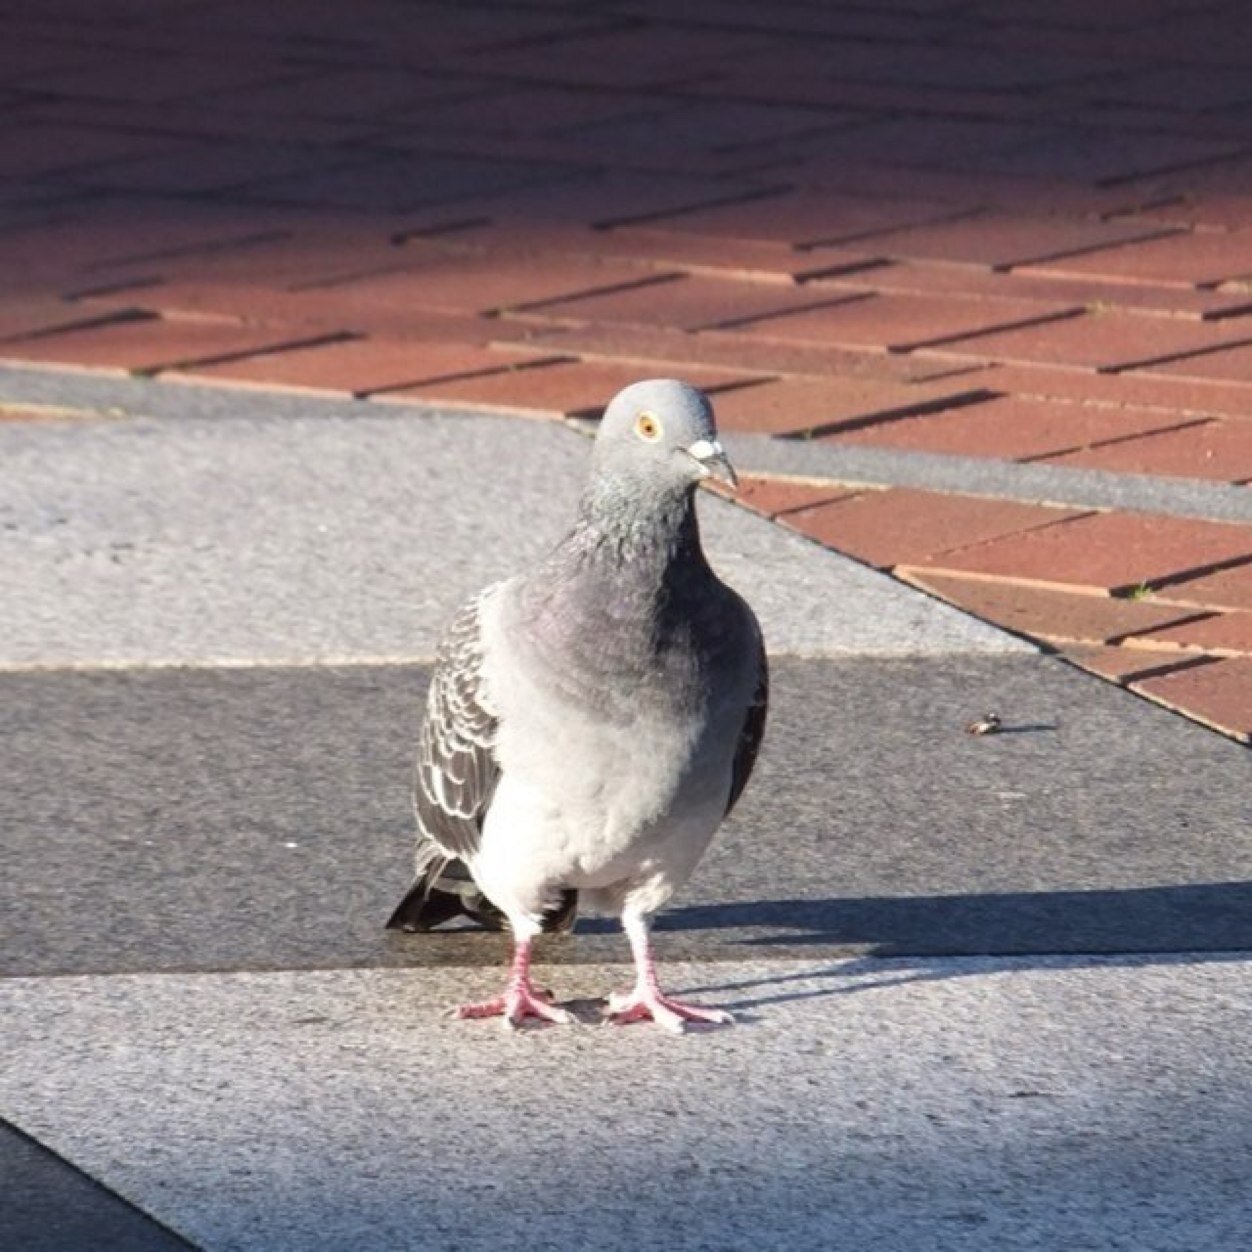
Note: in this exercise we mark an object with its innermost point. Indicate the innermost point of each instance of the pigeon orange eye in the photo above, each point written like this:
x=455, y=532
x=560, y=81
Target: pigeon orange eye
x=647, y=426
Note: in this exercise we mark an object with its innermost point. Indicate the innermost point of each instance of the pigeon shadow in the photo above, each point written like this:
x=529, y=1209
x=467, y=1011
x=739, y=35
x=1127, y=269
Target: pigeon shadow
x=1191, y=922
x=1202, y=917
x=1202, y=921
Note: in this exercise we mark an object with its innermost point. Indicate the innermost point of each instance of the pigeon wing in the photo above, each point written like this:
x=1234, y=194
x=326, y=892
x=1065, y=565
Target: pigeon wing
x=457, y=770
x=751, y=734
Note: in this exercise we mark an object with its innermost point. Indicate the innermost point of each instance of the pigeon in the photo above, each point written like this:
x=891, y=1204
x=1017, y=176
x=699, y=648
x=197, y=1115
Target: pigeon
x=590, y=722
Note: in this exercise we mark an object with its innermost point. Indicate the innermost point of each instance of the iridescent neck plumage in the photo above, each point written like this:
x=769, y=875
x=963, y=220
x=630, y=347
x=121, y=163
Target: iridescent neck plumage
x=629, y=520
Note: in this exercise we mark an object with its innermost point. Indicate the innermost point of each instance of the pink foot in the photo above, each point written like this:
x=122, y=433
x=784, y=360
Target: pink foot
x=647, y=1003
x=521, y=998
x=518, y=1002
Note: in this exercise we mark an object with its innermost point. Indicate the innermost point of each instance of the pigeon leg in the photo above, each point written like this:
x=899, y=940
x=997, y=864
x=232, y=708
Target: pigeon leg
x=646, y=1000
x=521, y=998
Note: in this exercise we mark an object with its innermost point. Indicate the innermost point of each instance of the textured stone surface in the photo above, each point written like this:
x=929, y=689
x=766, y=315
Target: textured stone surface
x=1038, y=1103
x=292, y=539
x=257, y=818
x=50, y=1206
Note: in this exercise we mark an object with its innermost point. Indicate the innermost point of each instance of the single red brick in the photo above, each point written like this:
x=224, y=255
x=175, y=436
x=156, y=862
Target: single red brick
x=1219, y=694
x=20, y=318
x=1226, y=634
x=722, y=258
x=1208, y=211
x=398, y=181
x=795, y=405
x=1163, y=86
x=1011, y=427
x=900, y=526
x=1050, y=613
x=901, y=322
x=1189, y=259
x=1189, y=399
x=682, y=302
x=235, y=299
x=197, y=166
x=1127, y=663
x=36, y=150
x=80, y=249
x=1226, y=589
x=339, y=92
x=1096, y=341
x=733, y=349
x=804, y=218
x=310, y=254
x=772, y=496
x=632, y=57
x=1094, y=155
x=1216, y=449
x=609, y=199
x=527, y=109
x=1002, y=239
x=977, y=188
x=115, y=74
x=564, y=389
x=147, y=345
x=944, y=143
x=969, y=280
x=197, y=118
x=481, y=282
x=701, y=127
x=662, y=252
x=1230, y=365
x=361, y=366
x=1105, y=551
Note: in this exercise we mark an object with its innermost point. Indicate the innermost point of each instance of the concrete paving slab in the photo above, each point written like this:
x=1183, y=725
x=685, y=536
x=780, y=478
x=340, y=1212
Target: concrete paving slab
x=271, y=540
x=1036, y=1104
x=173, y=820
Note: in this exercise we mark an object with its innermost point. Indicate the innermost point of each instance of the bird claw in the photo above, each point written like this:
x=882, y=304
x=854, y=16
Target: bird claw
x=638, y=1005
x=514, y=1007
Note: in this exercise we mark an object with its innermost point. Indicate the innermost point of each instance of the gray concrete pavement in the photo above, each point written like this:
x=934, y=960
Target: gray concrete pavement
x=261, y=538
x=1036, y=1104
x=224, y=819
x=993, y=992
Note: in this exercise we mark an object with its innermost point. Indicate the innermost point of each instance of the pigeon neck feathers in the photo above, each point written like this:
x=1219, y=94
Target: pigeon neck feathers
x=637, y=523
x=619, y=604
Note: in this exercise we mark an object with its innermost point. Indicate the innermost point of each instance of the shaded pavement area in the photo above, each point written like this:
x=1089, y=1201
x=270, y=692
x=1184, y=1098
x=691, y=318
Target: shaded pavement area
x=304, y=309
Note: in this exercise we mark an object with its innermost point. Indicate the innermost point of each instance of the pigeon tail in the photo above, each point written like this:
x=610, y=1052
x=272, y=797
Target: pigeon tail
x=444, y=890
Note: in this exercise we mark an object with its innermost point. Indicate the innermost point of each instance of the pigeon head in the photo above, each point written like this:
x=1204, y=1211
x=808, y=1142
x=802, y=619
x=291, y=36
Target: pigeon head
x=661, y=433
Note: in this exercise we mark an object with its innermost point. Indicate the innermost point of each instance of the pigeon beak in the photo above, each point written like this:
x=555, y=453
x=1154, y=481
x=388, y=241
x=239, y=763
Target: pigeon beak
x=712, y=459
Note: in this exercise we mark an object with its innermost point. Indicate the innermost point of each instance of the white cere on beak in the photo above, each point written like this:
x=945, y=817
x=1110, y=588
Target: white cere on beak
x=706, y=449
x=710, y=456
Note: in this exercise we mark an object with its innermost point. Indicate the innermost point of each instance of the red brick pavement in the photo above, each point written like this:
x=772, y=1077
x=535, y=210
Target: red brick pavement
x=1021, y=231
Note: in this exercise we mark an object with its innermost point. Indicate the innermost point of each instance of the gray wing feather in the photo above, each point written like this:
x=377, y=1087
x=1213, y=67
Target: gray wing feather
x=750, y=735
x=456, y=765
